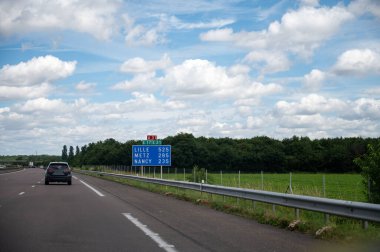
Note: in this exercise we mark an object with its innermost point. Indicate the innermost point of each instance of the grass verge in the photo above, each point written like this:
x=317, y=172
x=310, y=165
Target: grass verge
x=337, y=228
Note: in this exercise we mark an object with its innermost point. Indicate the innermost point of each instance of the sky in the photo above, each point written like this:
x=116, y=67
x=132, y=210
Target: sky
x=79, y=71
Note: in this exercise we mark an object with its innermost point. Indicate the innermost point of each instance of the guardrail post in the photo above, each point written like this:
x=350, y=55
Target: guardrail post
x=365, y=224
x=327, y=219
x=274, y=208
x=297, y=213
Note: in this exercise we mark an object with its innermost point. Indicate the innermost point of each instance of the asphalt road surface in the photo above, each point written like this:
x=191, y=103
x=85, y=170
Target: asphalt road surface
x=98, y=215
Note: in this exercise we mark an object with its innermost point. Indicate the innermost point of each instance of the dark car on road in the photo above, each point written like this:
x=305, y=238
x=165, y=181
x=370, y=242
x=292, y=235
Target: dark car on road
x=58, y=172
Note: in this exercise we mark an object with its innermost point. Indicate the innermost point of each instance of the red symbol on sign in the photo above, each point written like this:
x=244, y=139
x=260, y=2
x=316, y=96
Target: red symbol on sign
x=151, y=137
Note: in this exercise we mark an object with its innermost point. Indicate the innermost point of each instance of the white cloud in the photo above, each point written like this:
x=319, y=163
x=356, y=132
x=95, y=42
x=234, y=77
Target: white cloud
x=367, y=108
x=140, y=35
x=358, y=62
x=215, y=23
x=255, y=122
x=309, y=2
x=144, y=81
x=310, y=105
x=36, y=71
x=268, y=61
x=222, y=35
x=84, y=86
x=95, y=17
x=314, y=80
x=139, y=65
x=23, y=93
x=373, y=91
x=296, y=33
x=43, y=105
x=193, y=121
x=201, y=78
x=360, y=7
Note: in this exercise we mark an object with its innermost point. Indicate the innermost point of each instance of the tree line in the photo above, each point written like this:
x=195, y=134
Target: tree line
x=247, y=155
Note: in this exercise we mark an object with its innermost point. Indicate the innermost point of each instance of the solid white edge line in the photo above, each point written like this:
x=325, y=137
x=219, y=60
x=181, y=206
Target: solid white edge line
x=5, y=173
x=75, y=177
x=154, y=236
x=92, y=188
x=21, y=193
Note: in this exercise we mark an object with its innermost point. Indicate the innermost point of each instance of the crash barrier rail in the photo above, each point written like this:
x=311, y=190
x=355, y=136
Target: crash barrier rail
x=357, y=210
x=5, y=169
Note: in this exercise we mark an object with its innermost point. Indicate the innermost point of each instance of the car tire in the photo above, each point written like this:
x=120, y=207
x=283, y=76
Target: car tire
x=46, y=182
x=69, y=182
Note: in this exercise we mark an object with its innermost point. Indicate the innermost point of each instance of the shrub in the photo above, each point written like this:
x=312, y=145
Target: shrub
x=370, y=166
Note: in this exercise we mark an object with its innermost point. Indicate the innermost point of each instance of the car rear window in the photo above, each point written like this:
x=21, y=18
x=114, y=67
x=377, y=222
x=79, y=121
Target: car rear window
x=58, y=166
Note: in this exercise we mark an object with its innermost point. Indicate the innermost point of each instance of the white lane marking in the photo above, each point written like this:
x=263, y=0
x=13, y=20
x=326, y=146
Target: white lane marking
x=75, y=177
x=39, y=182
x=11, y=172
x=33, y=186
x=154, y=236
x=21, y=193
x=92, y=188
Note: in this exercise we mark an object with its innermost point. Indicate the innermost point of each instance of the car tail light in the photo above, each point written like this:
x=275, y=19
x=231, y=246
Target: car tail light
x=66, y=170
x=50, y=170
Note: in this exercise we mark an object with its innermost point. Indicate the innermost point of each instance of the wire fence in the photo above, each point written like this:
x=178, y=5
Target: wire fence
x=336, y=186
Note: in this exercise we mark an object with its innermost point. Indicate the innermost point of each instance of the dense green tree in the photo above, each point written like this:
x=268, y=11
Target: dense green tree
x=247, y=155
x=77, y=151
x=370, y=166
x=64, y=153
x=70, y=158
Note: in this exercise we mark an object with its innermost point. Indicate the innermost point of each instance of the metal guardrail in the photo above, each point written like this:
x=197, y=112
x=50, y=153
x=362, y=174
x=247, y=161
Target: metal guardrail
x=352, y=209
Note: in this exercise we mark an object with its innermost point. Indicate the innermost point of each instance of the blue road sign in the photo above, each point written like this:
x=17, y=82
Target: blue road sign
x=151, y=155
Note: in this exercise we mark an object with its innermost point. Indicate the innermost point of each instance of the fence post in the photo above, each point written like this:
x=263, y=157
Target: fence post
x=206, y=176
x=365, y=224
x=297, y=213
x=324, y=185
x=369, y=189
x=262, y=180
x=184, y=174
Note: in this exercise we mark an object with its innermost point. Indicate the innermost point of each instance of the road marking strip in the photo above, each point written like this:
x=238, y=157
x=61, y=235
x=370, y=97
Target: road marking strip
x=21, y=193
x=92, y=188
x=5, y=173
x=154, y=236
x=33, y=186
x=75, y=177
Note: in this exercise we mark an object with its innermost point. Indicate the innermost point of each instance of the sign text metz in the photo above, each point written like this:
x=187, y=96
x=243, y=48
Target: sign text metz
x=151, y=155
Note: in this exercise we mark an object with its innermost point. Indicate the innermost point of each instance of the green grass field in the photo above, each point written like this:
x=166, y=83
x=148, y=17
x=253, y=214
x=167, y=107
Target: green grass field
x=336, y=186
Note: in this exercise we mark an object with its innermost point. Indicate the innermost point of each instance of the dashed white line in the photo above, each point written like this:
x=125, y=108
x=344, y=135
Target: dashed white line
x=33, y=186
x=154, y=236
x=21, y=193
x=92, y=188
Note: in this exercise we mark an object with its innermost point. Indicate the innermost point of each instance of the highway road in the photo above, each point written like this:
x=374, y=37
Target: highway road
x=98, y=215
